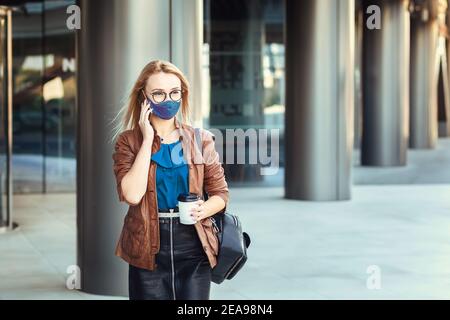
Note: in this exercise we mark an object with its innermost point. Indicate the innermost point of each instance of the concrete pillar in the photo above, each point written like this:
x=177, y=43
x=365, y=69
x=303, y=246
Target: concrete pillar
x=319, y=99
x=443, y=92
x=187, y=50
x=117, y=38
x=424, y=74
x=444, y=77
x=386, y=85
x=360, y=25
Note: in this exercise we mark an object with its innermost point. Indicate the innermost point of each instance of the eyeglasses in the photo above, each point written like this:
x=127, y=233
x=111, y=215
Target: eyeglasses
x=160, y=96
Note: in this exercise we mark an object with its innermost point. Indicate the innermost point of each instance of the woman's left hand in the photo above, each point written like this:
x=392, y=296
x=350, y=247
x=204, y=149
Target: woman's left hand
x=198, y=212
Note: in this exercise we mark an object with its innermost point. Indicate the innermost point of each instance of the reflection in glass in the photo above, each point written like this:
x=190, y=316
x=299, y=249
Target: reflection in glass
x=245, y=47
x=44, y=99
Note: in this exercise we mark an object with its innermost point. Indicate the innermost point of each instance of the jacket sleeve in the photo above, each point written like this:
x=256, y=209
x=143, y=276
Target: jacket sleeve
x=123, y=158
x=214, y=176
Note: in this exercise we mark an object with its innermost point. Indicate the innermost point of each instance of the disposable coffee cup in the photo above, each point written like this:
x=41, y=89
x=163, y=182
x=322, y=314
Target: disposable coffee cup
x=186, y=201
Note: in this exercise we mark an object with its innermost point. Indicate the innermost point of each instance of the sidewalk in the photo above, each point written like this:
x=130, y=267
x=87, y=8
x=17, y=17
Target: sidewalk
x=299, y=250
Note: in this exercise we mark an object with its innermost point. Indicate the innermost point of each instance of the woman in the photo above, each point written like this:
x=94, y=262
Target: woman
x=155, y=160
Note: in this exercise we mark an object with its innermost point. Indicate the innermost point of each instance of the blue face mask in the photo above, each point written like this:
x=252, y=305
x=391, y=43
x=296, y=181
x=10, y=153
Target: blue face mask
x=166, y=109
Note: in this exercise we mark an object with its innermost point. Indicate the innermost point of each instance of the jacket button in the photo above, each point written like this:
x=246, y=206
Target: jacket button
x=206, y=248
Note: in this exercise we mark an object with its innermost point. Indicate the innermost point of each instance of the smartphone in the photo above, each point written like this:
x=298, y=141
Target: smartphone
x=143, y=94
x=145, y=99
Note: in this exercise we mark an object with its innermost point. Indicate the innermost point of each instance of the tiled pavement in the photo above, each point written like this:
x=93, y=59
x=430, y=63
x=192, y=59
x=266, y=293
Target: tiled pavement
x=299, y=250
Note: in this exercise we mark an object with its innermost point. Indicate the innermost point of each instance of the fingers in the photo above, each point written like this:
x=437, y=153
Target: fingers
x=144, y=107
x=145, y=110
x=141, y=116
x=195, y=209
x=198, y=205
x=197, y=212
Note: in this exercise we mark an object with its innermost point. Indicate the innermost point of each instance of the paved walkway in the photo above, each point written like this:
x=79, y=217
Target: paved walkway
x=299, y=250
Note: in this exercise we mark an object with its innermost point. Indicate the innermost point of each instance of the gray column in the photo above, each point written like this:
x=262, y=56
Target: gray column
x=187, y=46
x=117, y=38
x=424, y=75
x=444, y=84
x=386, y=86
x=360, y=25
x=319, y=99
x=443, y=92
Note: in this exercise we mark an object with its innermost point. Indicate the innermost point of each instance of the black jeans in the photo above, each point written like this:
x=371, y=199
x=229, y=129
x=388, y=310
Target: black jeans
x=183, y=270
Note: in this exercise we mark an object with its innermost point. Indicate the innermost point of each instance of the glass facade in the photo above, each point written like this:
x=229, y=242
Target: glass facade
x=44, y=111
x=243, y=58
x=244, y=44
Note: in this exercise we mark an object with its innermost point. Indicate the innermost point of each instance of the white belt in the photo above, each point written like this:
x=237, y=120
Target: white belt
x=168, y=214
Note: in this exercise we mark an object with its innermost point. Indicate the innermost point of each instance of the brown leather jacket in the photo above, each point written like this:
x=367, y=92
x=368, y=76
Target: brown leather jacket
x=139, y=239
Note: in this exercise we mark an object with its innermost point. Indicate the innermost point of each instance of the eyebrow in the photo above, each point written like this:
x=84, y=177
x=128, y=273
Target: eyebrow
x=163, y=89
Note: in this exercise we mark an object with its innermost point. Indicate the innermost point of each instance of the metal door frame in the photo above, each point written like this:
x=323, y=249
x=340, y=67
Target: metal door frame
x=8, y=222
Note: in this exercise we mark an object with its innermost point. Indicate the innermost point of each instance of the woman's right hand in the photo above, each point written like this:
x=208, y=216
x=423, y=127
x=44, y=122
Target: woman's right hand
x=144, y=122
x=132, y=169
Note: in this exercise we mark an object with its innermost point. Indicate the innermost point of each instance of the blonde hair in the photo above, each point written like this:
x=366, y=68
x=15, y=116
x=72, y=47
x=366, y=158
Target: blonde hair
x=129, y=114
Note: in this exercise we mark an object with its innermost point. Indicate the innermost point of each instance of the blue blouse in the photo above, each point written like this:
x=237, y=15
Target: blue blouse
x=171, y=174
